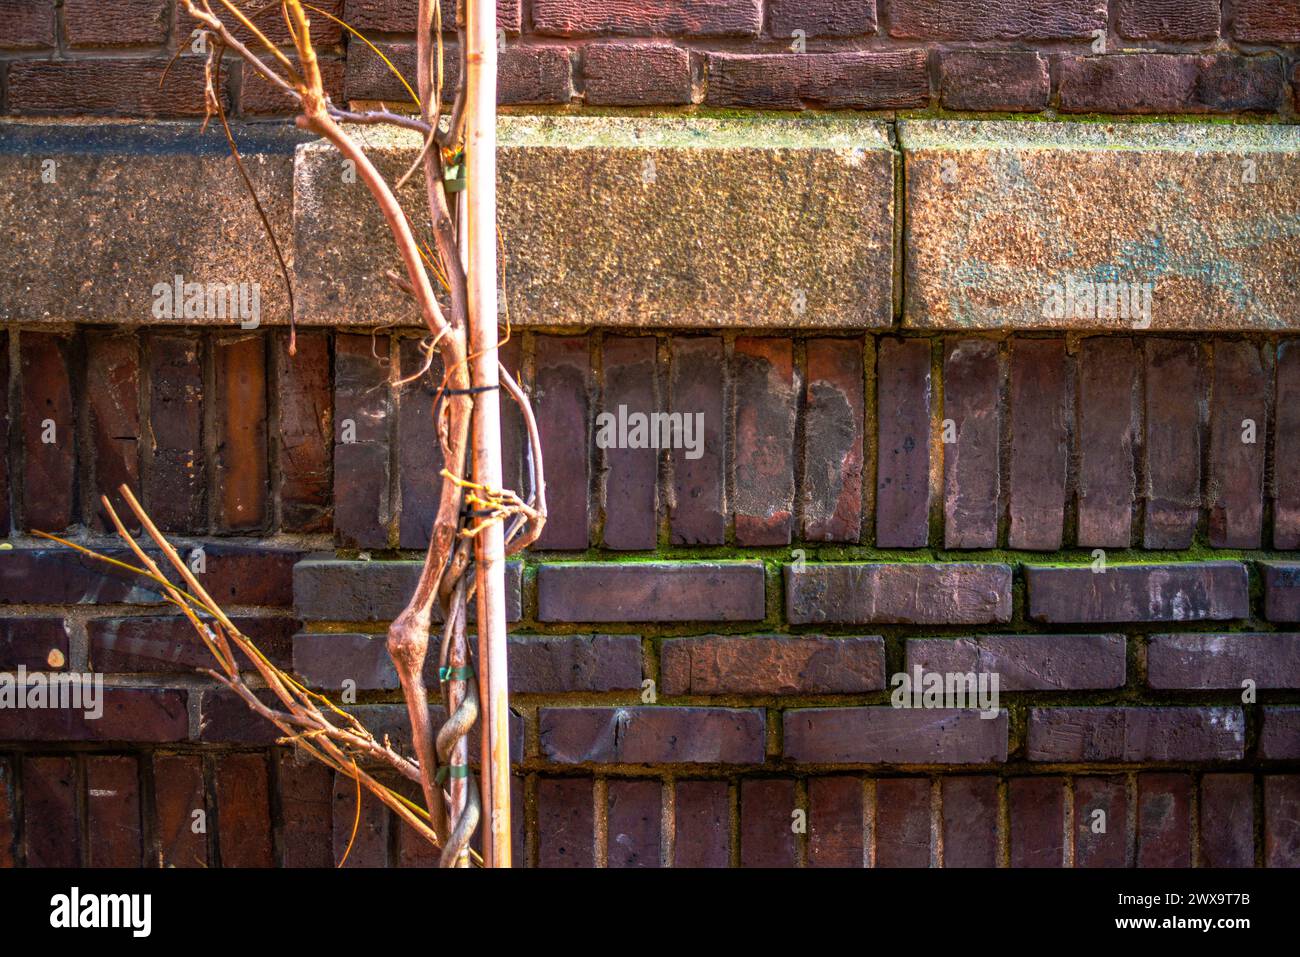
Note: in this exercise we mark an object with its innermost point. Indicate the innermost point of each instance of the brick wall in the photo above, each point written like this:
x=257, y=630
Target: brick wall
x=701, y=648
x=69, y=57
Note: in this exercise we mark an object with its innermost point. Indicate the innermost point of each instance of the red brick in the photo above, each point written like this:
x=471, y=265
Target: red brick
x=513, y=434
x=970, y=821
x=767, y=837
x=51, y=829
x=636, y=74
x=28, y=642
x=6, y=518
x=174, y=480
x=630, y=475
x=1170, y=20
x=398, y=16
x=330, y=589
x=821, y=18
x=225, y=718
x=570, y=663
x=178, y=793
x=362, y=410
x=1039, y=443
x=1265, y=21
x=367, y=77
x=972, y=386
x=1281, y=590
x=534, y=74
x=58, y=575
x=113, y=410
x=902, y=828
x=1286, y=442
x=306, y=810
x=1108, y=434
x=108, y=87
x=305, y=425
x=562, y=405
x=835, y=822
x=993, y=80
x=903, y=397
x=8, y=849
x=258, y=97
x=369, y=848
x=525, y=74
x=1279, y=738
x=1145, y=734
x=697, y=512
x=1191, y=591
x=1108, y=847
x=659, y=592
x=26, y=24
x=1164, y=830
x=634, y=823
x=565, y=823
x=703, y=824
x=888, y=735
x=88, y=23
x=1236, y=480
x=955, y=20
x=652, y=735
x=950, y=593
x=1026, y=662
x=895, y=79
x=324, y=31
x=1199, y=660
x=419, y=450
x=694, y=18
x=151, y=715
x=1169, y=83
x=1281, y=820
x=831, y=491
x=391, y=720
x=49, y=467
x=113, y=835
x=771, y=664
x=764, y=430
x=241, y=451
x=168, y=644
x=1037, y=810
x=1227, y=820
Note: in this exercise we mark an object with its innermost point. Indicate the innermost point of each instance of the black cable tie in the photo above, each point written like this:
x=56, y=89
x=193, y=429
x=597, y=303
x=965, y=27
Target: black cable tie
x=473, y=390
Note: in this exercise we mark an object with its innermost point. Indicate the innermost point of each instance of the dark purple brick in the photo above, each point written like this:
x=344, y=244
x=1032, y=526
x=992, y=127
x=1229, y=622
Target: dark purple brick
x=658, y=592
x=179, y=793
x=148, y=715
x=1108, y=433
x=1037, y=811
x=241, y=473
x=565, y=823
x=1199, y=660
x=1164, y=829
x=636, y=74
x=328, y=589
x=419, y=451
x=1026, y=662
x=562, y=404
x=993, y=80
x=1238, y=427
x=835, y=832
x=634, y=823
x=169, y=644
x=1265, y=21
x=225, y=718
x=8, y=826
x=51, y=830
x=765, y=412
x=694, y=18
x=393, y=722
x=767, y=838
x=1286, y=442
x=972, y=381
x=1140, y=734
x=955, y=20
x=1039, y=443
x=306, y=810
x=902, y=826
x=29, y=643
x=305, y=426
x=113, y=829
x=652, y=735
x=1279, y=738
x=821, y=18
x=1282, y=820
x=1281, y=590
x=362, y=410
x=1100, y=839
x=28, y=24
x=942, y=594
x=1174, y=397
x=1170, y=20
x=831, y=490
x=630, y=475
x=888, y=735
x=368, y=836
x=174, y=457
x=903, y=396
x=1169, y=83
x=113, y=412
x=1192, y=591
x=1227, y=819
x=702, y=825
x=697, y=513
x=970, y=821
x=49, y=437
x=6, y=516
x=771, y=664
x=895, y=79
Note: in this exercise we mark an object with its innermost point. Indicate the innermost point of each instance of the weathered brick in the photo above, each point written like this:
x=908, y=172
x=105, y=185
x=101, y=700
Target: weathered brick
x=1107, y=437
x=1279, y=738
x=940, y=594
x=113, y=831
x=694, y=18
x=903, y=396
x=702, y=824
x=895, y=79
x=534, y=74
x=1286, y=442
x=126, y=23
x=397, y=16
x=1238, y=423
x=1259, y=21
x=525, y=74
x=659, y=592
x=835, y=833
x=113, y=412
x=305, y=425
x=324, y=31
x=258, y=97
x=178, y=794
x=562, y=405
x=1227, y=820
x=634, y=824
x=1200, y=660
x=27, y=24
x=363, y=841
x=630, y=475
x=174, y=482
x=111, y=87
x=887, y=735
x=6, y=517
x=1281, y=590
x=8, y=830
x=821, y=18
x=1164, y=828
x=1037, y=811
x=56, y=576
x=764, y=431
x=51, y=829
x=48, y=432
x=1169, y=83
x=241, y=451
x=902, y=827
x=362, y=412
x=1282, y=820
x=954, y=20
x=30, y=642
x=831, y=490
x=1039, y=443
x=326, y=589
x=169, y=644
x=1192, y=591
x=771, y=664
x=1100, y=821
x=225, y=718
x=1146, y=734
x=129, y=714
x=368, y=77
x=419, y=451
x=970, y=821
x=636, y=74
x=1026, y=662
x=652, y=735
x=766, y=836
x=697, y=512
x=565, y=823
x=1171, y=20
x=972, y=381
x=993, y=80
x=306, y=810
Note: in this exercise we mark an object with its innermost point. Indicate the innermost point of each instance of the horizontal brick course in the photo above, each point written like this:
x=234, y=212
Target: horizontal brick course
x=1281, y=590
x=943, y=594
x=887, y=735
x=145, y=715
x=1136, y=734
x=1191, y=591
x=646, y=591
x=771, y=664
x=1026, y=662
x=1224, y=660
x=327, y=589
x=652, y=735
